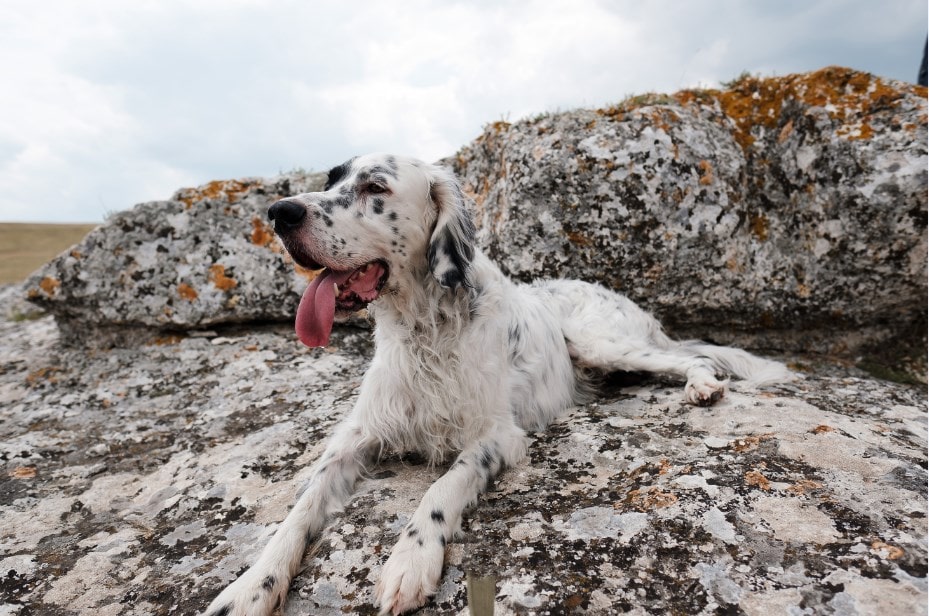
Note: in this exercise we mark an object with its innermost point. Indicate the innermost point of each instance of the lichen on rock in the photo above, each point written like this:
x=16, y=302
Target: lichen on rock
x=143, y=479
x=203, y=258
x=785, y=212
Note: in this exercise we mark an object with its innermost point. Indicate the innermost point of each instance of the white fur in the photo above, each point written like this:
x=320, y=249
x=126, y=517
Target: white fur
x=466, y=361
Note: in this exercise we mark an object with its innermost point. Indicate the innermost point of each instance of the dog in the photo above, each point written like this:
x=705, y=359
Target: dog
x=466, y=361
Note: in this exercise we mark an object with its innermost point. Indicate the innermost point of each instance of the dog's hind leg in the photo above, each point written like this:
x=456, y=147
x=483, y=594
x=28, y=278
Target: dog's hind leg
x=607, y=331
x=412, y=572
x=263, y=587
x=702, y=388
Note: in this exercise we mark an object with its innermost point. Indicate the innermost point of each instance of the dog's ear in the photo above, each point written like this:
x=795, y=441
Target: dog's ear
x=451, y=247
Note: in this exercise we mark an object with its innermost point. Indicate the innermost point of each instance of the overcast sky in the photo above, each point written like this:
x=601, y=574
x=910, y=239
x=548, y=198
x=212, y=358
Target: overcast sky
x=104, y=104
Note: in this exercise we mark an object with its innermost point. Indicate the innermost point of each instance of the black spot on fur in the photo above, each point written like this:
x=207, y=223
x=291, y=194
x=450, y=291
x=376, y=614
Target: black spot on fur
x=392, y=216
x=487, y=457
x=378, y=206
x=458, y=250
x=442, y=540
x=437, y=516
x=419, y=542
x=327, y=220
x=337, y=173
x=268, y=583
x=412, y=532
x=223, y=611
x=515, y=334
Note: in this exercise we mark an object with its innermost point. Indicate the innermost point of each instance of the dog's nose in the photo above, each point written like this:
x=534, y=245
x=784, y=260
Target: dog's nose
x=286, y=214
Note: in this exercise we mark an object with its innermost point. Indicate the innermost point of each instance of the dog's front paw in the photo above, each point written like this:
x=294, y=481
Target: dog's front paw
x=411, y=574
x=705, y=391
x=253, y=594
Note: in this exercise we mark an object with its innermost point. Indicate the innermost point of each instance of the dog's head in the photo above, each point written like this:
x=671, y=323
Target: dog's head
x=382, y=224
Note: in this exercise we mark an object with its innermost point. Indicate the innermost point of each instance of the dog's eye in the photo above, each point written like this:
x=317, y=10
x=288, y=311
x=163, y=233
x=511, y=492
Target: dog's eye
x=376, y=189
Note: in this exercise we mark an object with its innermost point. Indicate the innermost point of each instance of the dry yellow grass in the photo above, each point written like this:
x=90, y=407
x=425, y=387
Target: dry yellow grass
x=26, y=246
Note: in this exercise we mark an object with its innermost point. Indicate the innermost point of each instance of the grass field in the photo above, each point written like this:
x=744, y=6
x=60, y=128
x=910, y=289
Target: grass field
x=26, y=246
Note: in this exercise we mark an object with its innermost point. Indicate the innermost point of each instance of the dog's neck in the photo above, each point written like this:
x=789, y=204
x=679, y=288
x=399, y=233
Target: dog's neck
x=422, y=309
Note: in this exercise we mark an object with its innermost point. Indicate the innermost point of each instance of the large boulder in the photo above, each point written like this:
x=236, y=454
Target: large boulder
x=203, y=258
x=143, y=479
x=786, y=212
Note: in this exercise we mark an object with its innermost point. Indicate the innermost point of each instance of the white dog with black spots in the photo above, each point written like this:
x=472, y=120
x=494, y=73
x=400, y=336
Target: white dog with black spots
x=466, y=361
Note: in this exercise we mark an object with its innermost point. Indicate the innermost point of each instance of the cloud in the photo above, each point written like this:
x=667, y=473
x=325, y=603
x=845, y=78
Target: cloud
x=108, y=103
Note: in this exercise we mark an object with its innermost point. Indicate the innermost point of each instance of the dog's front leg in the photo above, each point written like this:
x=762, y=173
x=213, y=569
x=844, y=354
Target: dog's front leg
x=263, y=587
x=411, y=574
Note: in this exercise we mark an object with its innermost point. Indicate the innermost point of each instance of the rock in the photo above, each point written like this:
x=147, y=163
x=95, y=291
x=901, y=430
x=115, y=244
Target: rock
x=205, y=257
x=787, y=212
x=142, y=479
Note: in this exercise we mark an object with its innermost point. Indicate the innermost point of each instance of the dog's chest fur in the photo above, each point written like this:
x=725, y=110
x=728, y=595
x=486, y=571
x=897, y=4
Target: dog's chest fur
x=432, y=396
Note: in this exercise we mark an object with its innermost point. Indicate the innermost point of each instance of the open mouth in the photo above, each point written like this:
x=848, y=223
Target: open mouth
x=335, y=293
x=362, y=287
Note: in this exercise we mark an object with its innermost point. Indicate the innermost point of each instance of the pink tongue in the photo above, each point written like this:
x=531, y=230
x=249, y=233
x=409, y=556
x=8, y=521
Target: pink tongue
x=317, y=308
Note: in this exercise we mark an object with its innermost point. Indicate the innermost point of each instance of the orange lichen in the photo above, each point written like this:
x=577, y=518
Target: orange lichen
x=822, y=428
x=803, y=486
x=22, y=472
x=757, y=479
x=706, y=177
x=887, y=551
x=750, y=443
x=652, y=497
x=847, y=96
x=219, y=278
x=262, y=234
x=228, y=190
x=187, y=292
x=500, y=126
x=664, y=466
x=49, y=285
x=42, y=374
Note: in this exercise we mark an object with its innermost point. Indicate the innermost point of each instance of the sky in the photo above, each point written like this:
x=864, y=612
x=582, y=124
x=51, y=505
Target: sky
x=108, y=103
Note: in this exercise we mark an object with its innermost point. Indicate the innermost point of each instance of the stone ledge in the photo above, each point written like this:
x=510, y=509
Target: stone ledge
x=141, y=480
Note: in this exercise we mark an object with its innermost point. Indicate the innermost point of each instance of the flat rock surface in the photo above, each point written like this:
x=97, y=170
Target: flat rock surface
x=141, y=480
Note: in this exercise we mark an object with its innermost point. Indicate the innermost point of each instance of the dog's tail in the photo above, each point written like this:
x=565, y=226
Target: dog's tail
x=755, y=371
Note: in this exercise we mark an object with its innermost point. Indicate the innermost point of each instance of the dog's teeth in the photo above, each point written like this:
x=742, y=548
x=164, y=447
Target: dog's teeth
x=335, y=288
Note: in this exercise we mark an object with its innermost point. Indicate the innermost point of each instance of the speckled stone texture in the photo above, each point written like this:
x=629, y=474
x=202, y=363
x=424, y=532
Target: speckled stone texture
x=140, y=480
x=785, y=213
x=205, y=257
